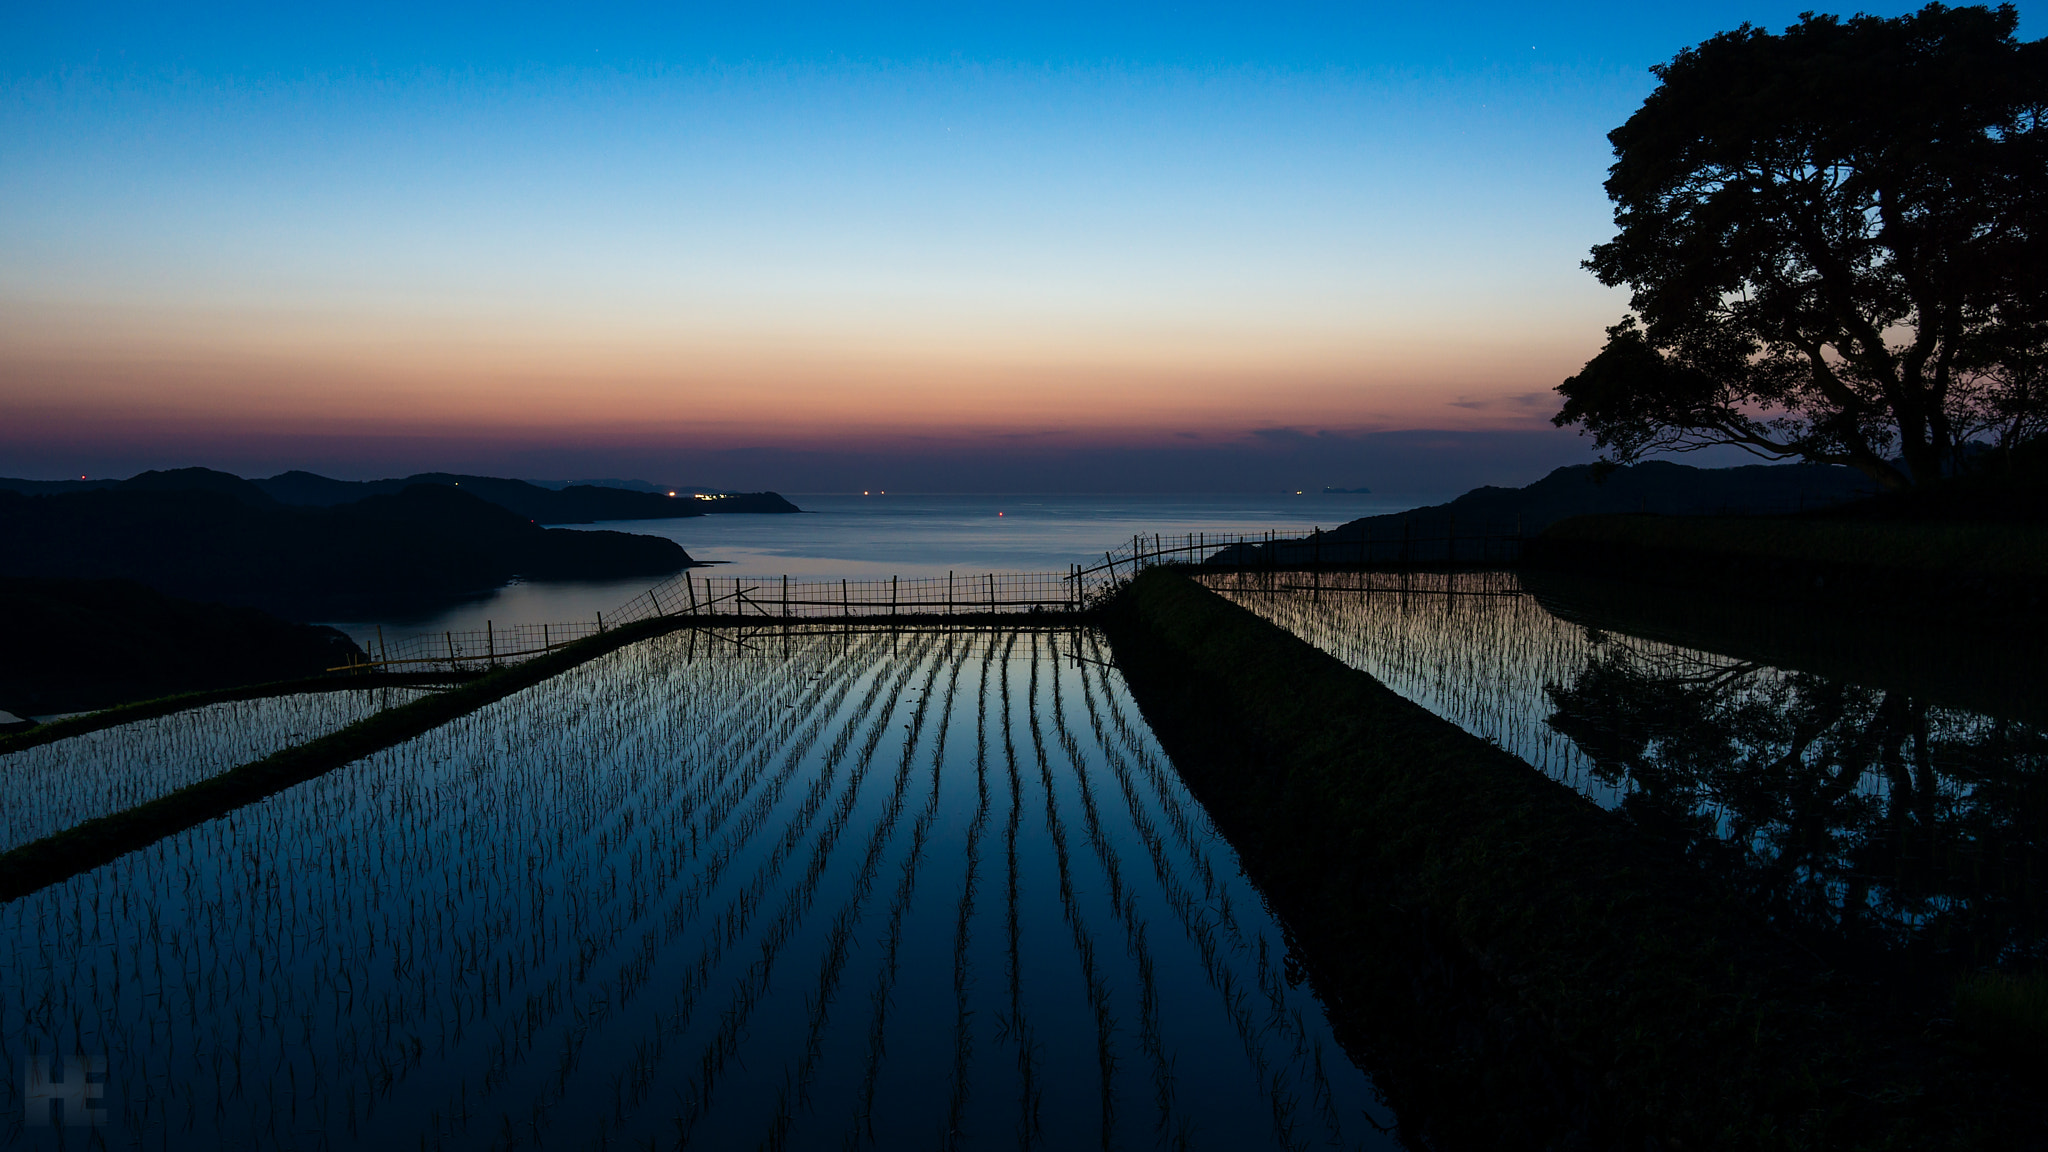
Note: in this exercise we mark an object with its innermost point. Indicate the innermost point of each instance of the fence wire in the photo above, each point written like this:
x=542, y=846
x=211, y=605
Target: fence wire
x=760, y=599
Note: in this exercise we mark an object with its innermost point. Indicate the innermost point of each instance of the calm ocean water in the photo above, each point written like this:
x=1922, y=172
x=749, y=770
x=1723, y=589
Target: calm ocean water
x=855, y=537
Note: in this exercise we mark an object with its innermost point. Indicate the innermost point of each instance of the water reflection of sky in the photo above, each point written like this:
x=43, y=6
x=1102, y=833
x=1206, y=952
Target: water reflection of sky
x=1874, y=816
x=881, y=535
x=815, y=889
x=856, y=537
x=1472, y=648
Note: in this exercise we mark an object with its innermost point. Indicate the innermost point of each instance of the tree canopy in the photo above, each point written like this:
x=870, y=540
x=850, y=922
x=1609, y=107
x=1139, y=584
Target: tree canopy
x=1836, y=243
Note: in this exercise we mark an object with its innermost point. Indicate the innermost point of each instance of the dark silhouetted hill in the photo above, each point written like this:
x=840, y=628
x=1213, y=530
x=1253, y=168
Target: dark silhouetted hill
x=578, y=503
x=1657, y=486
x=197, y=480
x=77, y=645
x=571, y=504
x=2008, y=489
x=423, y=547
x=169, y=480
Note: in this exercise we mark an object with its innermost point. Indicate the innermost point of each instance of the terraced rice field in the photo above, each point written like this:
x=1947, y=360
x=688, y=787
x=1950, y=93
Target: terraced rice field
x=1874, y=819
x=807, y=888
x=1471, y=647
x=51, y=787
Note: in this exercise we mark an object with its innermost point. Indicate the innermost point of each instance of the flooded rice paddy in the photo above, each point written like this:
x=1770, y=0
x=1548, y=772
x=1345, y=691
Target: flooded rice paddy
x=51, y=787
x=1874, y=820
x=726, y=889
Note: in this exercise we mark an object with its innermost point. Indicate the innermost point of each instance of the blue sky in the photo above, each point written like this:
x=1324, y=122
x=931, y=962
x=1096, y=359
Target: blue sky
x=374, y=237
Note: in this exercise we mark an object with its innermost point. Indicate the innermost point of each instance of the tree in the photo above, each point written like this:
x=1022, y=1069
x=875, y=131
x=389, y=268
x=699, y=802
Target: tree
x=1835, y=240
x=1842, y=812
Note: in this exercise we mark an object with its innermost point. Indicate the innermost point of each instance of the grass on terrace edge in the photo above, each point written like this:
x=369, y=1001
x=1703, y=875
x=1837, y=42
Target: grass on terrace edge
x=134, y=711
x=1528, y=967
x=95, y=842
x=1994, y=549
x=92, y=843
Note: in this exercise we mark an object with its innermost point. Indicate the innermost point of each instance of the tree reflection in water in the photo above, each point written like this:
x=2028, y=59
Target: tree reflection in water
x=1861, y=816
x=1879, y=826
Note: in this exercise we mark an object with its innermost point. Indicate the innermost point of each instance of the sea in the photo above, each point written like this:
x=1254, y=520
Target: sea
x=881, y=534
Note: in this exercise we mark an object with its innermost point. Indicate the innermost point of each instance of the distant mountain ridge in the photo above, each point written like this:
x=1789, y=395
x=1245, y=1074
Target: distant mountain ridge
x=581, y=503
x=633, y=486
x=1657, y=486
x=213, y=537
x=73, y=645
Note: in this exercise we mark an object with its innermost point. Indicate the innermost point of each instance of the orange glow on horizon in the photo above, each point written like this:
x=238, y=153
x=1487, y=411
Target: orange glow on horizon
x=63, y=369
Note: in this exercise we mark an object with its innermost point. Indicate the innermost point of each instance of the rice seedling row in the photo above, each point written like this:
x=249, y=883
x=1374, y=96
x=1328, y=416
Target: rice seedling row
x=60, y=784
x=719, y=889
x=1880, y=820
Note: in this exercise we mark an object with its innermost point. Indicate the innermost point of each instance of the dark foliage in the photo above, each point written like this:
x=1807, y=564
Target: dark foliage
x=420, y=548
x=74, y=645
x=1656, y=486
x=573, y=504
x=1515, y=967
x=1835, y=239
x=1879, y=829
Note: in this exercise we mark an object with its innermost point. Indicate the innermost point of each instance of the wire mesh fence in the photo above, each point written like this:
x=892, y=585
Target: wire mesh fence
x=457, y=650
x=762, y=599
x=1418, y=541
x=752, y=599
x=953, y=594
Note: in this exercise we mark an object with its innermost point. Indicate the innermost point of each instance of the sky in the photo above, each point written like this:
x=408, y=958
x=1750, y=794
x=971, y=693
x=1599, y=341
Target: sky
x=938, y=247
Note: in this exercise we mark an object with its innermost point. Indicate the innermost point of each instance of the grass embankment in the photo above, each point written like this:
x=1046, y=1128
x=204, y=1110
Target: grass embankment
x=121, y=714
x=1956, y=548
x=1514, y=965
x=1959, y=571
x=1990, y=669
x=96, y=842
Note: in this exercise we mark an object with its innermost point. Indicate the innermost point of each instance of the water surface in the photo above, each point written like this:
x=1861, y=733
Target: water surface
x=741, y=889
x=1876, y=820
x=54, y=786
x=854, y=537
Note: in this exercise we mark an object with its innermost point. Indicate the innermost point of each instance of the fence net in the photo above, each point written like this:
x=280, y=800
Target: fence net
x=762, y=599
